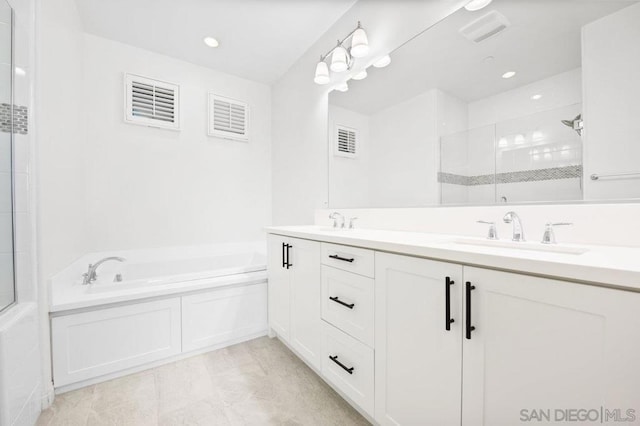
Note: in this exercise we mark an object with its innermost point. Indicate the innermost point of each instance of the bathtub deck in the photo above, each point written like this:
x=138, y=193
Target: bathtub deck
x=259, y=382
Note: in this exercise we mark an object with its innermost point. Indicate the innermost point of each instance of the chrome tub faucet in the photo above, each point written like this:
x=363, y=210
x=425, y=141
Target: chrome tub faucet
x=90, y=276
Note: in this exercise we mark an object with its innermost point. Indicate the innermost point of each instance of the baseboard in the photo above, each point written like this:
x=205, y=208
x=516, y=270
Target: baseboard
x=48, y=395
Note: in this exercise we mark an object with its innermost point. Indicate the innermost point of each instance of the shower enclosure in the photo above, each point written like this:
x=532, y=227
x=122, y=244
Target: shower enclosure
x=533, y=158
x=7, y=270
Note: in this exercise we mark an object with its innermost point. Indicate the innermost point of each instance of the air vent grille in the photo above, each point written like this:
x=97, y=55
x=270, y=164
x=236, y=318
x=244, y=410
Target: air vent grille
x=346, y=141
x=151, y=102
x=485, y=27
x=228, y=118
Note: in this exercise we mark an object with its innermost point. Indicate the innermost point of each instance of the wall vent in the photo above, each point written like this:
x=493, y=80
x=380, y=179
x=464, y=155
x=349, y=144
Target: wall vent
x=151, y=102
x=485, y=27
x=346, y=141
x=228, y=118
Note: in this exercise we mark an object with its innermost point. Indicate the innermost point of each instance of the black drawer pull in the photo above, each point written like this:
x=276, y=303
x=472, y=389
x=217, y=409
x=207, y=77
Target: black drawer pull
x=335, y=256
x=289, y=264
x=284, y=255
x=344, y=367
x=469, y=327
x=348, y=305
x=448, y=282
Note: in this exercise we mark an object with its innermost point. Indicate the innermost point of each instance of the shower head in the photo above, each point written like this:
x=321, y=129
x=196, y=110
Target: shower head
x=576, y=124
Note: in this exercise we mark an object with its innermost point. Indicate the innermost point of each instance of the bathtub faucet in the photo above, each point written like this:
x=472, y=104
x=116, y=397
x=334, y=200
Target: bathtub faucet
x=90, y=276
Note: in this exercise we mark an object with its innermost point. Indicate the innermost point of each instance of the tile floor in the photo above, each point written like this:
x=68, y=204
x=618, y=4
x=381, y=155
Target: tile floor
x=259, y=382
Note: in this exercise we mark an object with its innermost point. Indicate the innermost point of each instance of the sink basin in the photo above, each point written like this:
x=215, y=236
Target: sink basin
x=528, y=246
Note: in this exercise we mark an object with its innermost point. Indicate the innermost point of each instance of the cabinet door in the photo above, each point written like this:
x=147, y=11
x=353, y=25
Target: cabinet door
x=306, y=333
x=279, y=290
x=417, y=360
x=541, y=347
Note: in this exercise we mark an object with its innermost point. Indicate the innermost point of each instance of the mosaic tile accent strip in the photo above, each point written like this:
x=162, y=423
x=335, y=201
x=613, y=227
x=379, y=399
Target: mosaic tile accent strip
x=552, y=173
x=20, y=119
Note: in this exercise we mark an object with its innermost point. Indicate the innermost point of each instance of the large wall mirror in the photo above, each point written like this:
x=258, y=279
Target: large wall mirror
x=7, y=282
x=519, y=102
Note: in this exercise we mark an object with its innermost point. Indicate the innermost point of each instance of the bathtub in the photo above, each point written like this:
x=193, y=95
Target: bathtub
x=157, y=272
x=155, y=307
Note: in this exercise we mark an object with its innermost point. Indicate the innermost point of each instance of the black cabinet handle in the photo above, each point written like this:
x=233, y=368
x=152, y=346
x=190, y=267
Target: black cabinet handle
x=448, y=282
x=335, y=256
x=348, y=305
x=344, y=367
x=469, y=327
x=289, y=264
x=284, y=262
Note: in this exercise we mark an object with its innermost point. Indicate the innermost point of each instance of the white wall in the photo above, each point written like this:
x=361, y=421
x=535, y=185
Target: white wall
x=404, y=153
x=300, y=122
x=149, y=187
x=611, y=65
x=349, y=178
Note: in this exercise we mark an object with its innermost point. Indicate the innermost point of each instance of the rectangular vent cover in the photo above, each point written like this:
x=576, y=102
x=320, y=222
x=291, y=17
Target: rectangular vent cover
x=346, y=141
x=152, y=102
x=485, y=27
x=228, y=118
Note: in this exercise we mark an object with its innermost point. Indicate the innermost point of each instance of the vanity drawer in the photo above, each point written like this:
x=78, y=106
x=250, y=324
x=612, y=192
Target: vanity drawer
x=347, y=303
x=352, y=259
x=348, y=365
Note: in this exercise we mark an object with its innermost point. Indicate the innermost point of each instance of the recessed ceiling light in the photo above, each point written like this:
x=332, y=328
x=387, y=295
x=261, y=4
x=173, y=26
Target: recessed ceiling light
x=360, y=75
x=382, y=62
x=211, y=42
x=536, y=97
x=508, y=74
x=474, y=5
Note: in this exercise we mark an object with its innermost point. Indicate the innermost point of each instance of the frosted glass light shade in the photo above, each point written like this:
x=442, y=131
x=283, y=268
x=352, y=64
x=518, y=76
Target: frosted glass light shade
x=322, y=73
x=382, y=62
x=474, y=5
x=360, y=75
x=342, y=87
x=359, y=44
x=339, y=60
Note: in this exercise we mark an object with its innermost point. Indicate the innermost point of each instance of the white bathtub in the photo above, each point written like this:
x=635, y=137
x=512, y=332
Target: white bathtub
x=171, y=303
x=152, y=273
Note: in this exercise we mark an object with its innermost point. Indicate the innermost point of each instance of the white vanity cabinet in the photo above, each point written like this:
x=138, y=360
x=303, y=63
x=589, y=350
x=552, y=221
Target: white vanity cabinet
x=542, y=344
x=294, y=295
x=418, y=348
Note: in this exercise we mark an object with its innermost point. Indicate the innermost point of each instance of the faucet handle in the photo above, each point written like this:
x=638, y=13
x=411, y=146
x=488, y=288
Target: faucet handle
x=549, y=236
x=351, y=220
x=493, y=232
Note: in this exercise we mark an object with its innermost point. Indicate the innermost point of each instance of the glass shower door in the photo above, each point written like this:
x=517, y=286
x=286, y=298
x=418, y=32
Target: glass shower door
x=7, y=275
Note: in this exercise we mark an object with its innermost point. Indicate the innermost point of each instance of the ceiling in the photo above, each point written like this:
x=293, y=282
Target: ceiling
x=543, y=40
x=259, y=39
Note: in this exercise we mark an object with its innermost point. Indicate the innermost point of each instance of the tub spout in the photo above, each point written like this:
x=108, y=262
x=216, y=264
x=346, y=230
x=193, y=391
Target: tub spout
x=90, y=276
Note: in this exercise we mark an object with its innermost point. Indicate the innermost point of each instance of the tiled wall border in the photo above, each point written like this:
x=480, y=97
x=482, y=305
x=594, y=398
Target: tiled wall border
x=20, y=119
x=552, y=173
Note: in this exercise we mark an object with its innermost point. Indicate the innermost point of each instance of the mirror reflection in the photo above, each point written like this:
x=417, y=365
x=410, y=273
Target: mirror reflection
x=521, y=101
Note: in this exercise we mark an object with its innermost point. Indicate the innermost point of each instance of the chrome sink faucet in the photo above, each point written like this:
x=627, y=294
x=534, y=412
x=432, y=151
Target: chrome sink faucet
x=518, y=231
x=90, y=276
x=335, y=216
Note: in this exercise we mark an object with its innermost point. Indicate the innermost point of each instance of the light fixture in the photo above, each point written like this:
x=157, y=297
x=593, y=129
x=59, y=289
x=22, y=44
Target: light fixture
x=211, y=42
x=342, y=87
x=359, y=43
x=360, y=75
x=508, y=74
x=536, y=97
x=343, y=56
x=20, y=71
x=503, y=142
x=382, y=62
x=519, y=140
x=339, y=59
x=474, y=5
x=322, y=73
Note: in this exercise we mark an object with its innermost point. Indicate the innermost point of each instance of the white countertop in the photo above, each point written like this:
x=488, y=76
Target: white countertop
x=601, y=265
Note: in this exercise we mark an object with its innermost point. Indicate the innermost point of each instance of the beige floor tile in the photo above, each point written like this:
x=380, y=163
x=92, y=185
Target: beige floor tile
x=260, y=382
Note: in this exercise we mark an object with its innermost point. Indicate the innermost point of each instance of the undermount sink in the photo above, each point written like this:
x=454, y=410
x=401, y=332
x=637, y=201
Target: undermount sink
x=528, y=246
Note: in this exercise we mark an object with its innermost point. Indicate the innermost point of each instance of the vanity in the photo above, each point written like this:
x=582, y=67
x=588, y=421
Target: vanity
x=420, y=328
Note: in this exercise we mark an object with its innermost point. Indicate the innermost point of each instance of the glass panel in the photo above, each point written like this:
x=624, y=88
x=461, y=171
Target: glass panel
x=7, y=282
